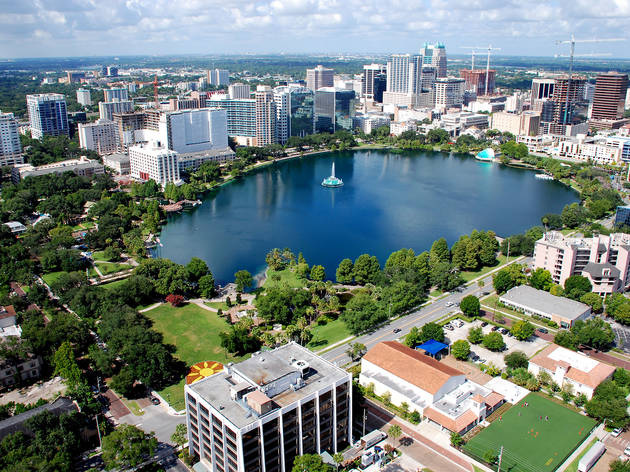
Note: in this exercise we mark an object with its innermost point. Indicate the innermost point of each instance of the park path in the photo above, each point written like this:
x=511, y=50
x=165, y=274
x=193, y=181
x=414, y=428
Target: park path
x=155, y=305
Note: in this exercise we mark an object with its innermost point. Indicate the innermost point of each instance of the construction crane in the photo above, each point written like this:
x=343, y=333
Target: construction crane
x=489, y=48
x=472, y=53
x=571, y=55
x=155, y=93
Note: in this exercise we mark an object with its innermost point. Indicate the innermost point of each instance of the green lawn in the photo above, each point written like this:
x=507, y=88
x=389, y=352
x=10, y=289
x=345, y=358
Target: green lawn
x=195, y=334
x=280, y=277
x=100, y=256
x=52, y=276
x=529, y=443
x=112, y=285
x=330, y=333
x=107, y=268
x=218, y=305
x=436, y=293
x=468, y=276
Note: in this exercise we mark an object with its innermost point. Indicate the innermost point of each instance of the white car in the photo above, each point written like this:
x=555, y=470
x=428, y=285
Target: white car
x=449, y=303
x=616, y=432
x=626, y=451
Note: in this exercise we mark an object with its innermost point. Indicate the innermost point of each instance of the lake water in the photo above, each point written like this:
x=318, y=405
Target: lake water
x=389, y=201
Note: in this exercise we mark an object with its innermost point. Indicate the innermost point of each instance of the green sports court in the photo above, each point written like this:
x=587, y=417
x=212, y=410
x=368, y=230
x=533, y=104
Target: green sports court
x=532, y=444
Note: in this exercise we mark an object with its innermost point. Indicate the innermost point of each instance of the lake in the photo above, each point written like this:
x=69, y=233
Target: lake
x=389, y=201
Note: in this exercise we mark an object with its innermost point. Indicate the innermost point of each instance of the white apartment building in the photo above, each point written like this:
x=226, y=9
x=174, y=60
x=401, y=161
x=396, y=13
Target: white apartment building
x=83, y=166
x=583, y=148
x=538, y=143
x=154, y=161
x=282, y=100
x=396, y=128
x=119, y=94
x=604, y=260
x=260, y=414
x=449, y=92
x=464, y=120
x=101, y=136
x=218, y=77
x=10, y=146
x=119, y=163
x=107, y=109
x=371, y=121
x=83, y=97
x=239, y=91
x=526, y=123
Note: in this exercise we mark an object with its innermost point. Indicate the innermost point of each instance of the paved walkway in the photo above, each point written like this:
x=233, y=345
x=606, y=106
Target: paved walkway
x=155, y=305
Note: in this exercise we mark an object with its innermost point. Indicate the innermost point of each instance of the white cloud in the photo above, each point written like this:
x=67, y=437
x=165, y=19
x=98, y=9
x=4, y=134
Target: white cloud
x=84, y=27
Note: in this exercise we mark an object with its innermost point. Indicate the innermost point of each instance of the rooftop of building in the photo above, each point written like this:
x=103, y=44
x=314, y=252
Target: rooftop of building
x=60, y=164
x=597, y=270
x=17, y=423
x=545, y=302
x=117, y=157
x=261, y=371
x=410, y=365
x=578, y=366
x=556, y=238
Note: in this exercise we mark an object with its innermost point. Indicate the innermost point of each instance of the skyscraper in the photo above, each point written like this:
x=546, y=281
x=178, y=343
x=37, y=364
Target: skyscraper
x=319, y=77
x=302, y=111
x=449, y=92
x=107, y=109
x=542, y=88
x=101, y=136
x=113, y=94
x=374, y=82
x=218, y=77
x=10, y=147
x=565, y=92
x=47, y=114
x=239, y=91
x=402, y=73
x=435, y=55
x=83, y=97
x=282, y=100
x=610, y=96
x=265, y=116
x=334, y=109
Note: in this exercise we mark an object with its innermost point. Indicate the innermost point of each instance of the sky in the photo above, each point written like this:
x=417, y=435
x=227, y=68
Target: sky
x=50, y=28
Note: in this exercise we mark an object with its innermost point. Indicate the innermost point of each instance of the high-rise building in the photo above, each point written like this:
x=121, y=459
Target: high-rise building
x=239, y=91
x=302, y=111
x=128, y=124
x=112, y=71
x=218, y=77
x=241, y=118
x=107, y=109
x=47, y=114
x=402, y=73
x=260, y=414
x=10, y=146
x=334, y=109
x=449, y=92
x=282, y=100
x=542, y=88
x=476, y=80
x=610, y=96
x=74, y=76
x=374, y=82
x=265, y=116
x=434, y=55
x=154, y=161
x=197, y=130
x=116, y=94
x=83, y=97
x=101, y=136
x=319, y=77
x=565, y=92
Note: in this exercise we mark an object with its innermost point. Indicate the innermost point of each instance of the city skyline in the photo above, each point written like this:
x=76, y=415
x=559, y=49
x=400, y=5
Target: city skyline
x=140, y=27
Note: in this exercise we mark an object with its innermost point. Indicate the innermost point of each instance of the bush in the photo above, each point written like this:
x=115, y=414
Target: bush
x=175, y=300
x=493, y=341
x=460, y=349
x=414, y=417
x=516, y=359
x=475, y=335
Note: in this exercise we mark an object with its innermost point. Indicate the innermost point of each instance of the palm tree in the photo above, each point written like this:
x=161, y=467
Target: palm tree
x=394, y=432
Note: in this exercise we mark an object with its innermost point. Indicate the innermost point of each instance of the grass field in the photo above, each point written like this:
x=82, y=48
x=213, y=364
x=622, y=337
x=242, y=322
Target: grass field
x=52, y=276
x=280, y=277
x=195, y=333
x=112, y=285
x=107, y=268
x=468, y=276
x=330, y=333
x=218, y=305
x=531, y=444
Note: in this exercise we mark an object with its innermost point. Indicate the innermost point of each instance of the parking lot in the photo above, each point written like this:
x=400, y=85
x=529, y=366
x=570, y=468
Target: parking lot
x=622, y=336
x=529, y=347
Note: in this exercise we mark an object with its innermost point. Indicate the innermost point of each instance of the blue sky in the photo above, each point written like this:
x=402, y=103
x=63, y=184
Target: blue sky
x=39, y=28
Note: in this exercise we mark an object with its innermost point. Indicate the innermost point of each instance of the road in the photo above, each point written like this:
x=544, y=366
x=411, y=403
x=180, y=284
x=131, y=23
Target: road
x=436, y=310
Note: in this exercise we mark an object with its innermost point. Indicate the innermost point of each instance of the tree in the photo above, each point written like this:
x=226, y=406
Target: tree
x=508, y=277
x=456, y=440
x=541, y=279
x=494, y=341
x=243, y=280
x=402, y=296
x=594, y=332
x=619, y=465
x=180, y=436
x=470, y=306
x=460, y=349
x=127, y=446
x=318, y=273
x=516, y=359
x=363, y=313
x=432, y=331
x=123, y=382
x=609, y=403
x=197, y=268
x=174, y=299
x=413, y=338
x=439, y=251
x=344, y=274
x=566, y=339
x=66, y=365
x=310, y=463
x=356, y=350
x=338, y=459
x=475, y=335
x=552, y=221
x=576, y=286
x=206, y=286
x=394, y=432
x=366, y=269
x=522, y=330
x=594, y=301
x=574, y=215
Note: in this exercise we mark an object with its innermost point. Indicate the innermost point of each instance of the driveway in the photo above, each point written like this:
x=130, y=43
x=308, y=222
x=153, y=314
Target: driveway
x=157, y=419
x=622, y=335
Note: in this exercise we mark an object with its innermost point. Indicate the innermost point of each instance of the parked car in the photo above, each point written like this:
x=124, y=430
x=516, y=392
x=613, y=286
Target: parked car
x=504, y=331
x=449, y=327
x=154, y=400
x=543, y=330
x=458, y=323
x=616, y=432
x=494, y=328
x=626, y=451
x=484, y=324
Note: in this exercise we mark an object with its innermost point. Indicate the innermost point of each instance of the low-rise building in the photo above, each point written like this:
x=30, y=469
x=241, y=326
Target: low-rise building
x=566, y=367
x=583, y=148
x=371, y=121
x=193, y=161
x=19, y=423
x=16, y=227
x=440, y=393
x=531, y=301
x=259, y=414
x=526, y=123
x=396, y=128
x=119, y=163
x=154, y=161
x=83, y=166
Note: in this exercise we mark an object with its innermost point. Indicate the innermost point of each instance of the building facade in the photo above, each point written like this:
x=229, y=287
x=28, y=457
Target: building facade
x=610, y=95
x=83, y=97
x=83, y=167
x=266, y=130
x=526, y=123
x=434, y=55
x=239, y=91
x=449, y=92
x=154, y=161
x=241, y=118
x=334, y=109
x=101, y=136
x=120, y=94
x=47, y=114
x=301, y=112
x=604, y=260
x=476, y=80
x=10, y=146
x=260, y=414
x=108, y=109
x=374, y=82
x=320, y=77
x=218, y=77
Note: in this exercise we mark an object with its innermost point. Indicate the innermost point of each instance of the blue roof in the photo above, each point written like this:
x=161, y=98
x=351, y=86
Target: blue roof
x=432, y=346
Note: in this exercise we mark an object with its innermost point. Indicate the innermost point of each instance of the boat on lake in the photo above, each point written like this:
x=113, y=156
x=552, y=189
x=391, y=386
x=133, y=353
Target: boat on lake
x=332, y=181
x=485, y=155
